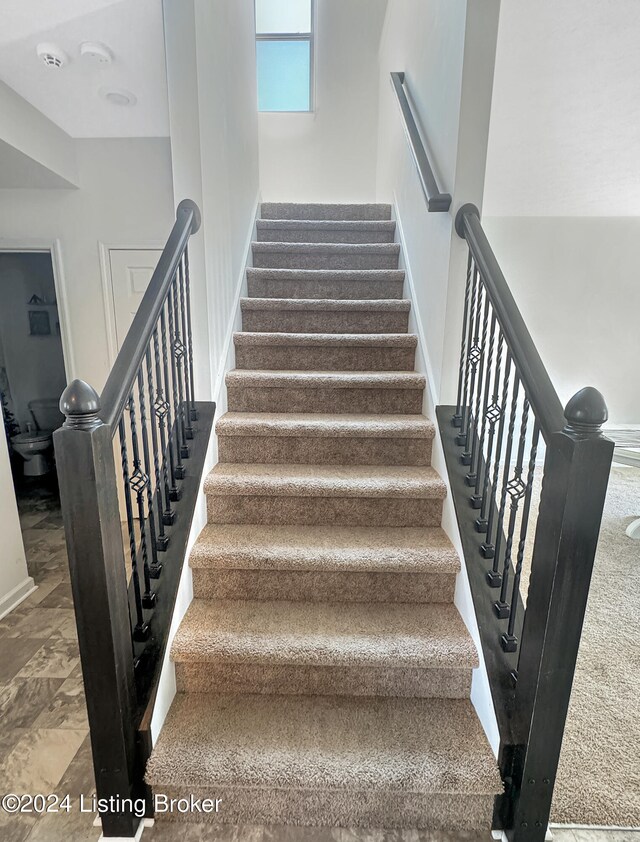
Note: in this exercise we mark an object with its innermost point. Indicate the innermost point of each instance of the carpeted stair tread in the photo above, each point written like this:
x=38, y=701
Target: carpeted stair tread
x=375, y=481
x=325, y=230
x=332, y=379
x=326, y=249
x=325, y=743
x=324, y=425
x=318, y=211
x=324, y=634
x=339, y=284
x=326, y=255
x=373, y=305
x=324, y=548
x=326, y=340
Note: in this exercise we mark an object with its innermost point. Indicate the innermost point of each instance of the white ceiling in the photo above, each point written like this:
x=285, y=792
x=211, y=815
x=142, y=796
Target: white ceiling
x=564, y=138
x=132, y=29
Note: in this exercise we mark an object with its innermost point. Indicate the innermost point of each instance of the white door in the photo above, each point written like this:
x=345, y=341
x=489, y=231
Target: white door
x=131, y=271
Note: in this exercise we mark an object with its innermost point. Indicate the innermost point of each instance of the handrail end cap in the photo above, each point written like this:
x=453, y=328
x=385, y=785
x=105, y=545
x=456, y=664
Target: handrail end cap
x=189, y=205
x=467, y=208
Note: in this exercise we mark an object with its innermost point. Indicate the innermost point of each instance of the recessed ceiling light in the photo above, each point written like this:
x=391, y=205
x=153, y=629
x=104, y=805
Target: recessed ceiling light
x=118, y=96
x=93, y=52
x=52, y=55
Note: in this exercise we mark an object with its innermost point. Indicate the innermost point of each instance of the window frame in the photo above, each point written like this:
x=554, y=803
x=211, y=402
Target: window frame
x=294, y=36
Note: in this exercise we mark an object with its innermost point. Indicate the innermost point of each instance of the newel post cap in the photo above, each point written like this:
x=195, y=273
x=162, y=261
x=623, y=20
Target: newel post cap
x=80, y=404
x=189, y=205
x=587, y=411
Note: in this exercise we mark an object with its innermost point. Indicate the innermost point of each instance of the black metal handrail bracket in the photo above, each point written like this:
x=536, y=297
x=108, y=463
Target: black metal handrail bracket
x=437, y=201
x=505, y=402
x=124, y=576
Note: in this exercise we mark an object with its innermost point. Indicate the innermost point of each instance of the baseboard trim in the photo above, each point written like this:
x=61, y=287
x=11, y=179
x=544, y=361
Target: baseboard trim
x=17, y=595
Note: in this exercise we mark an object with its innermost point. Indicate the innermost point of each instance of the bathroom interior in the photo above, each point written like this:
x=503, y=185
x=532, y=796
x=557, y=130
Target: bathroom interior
x=32, y=378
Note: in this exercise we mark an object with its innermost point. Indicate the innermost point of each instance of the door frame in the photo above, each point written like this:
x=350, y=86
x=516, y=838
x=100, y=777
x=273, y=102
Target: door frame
x=107, y=287
x=53, y=248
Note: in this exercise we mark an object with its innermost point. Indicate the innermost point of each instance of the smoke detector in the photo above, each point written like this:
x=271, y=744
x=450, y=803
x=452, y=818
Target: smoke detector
x=52, y=55
x=93, y=52
x=118, y=96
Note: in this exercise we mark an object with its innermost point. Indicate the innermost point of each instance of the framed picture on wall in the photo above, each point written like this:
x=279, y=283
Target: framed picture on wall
x=39, y=323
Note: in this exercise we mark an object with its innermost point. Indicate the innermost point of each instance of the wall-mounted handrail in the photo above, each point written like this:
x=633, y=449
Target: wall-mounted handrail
x=125, y=369
x=542, y=395
x=437, y=201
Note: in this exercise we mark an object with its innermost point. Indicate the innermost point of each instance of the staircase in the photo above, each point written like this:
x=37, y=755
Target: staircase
x=323, y=672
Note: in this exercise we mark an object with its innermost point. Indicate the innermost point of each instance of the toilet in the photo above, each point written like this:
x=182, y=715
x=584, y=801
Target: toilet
x=36, y=446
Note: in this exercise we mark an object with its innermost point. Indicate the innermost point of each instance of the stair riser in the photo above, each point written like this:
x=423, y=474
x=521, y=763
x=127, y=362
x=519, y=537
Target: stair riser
x=339, y=213
x=379, y=401
x=341, y=511
x=323, y=235
x=324, y=358
x=342, y=290
x=324, y=450
x=335, y=808
x=318, y=260
x=307, y=586
x=322, y=680
x=324, y=321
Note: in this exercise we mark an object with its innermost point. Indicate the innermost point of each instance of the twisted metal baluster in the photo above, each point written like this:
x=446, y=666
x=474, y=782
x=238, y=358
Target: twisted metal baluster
x=465, y=409
x=476, y=498
x=187, y=277
x=487, y=548
x=457, y=418
x=508, y=640
x=475, y=355
x=516, y=489
x=492, y=415
x=162, y=411
x=139, y=481
x=155, y=568
x=141, y=629
x=178, y=409
x=175, y=460
x=155, y=403
x=495, y=577
x=184, y=358
x=476, y=449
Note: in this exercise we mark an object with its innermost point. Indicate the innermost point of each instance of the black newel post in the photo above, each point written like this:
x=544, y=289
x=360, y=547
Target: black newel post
x=577, y=466
x=87, y=478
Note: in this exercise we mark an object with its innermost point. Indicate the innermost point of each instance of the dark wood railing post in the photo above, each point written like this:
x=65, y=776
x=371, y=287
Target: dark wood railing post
x=577, y=466
x=88, y=491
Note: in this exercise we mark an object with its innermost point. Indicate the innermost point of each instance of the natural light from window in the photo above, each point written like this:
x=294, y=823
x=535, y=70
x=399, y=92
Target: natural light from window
x=284, y=54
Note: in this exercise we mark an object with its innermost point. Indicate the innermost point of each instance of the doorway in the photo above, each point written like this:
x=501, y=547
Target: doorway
x=33, y=375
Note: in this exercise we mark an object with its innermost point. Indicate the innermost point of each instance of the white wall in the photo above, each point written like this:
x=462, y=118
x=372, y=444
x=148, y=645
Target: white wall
x=566, y=109
x=576, y=282
x=214, y=142
x=34, y=364
x=125, y=197
x=15, y=582
x=330, y=155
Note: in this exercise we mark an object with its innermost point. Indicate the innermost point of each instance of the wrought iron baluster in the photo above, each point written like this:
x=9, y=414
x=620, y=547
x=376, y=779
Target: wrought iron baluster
x=139, y=482
x=476, y=442
x=161, y=409
x=465, y=409
x=493, y=414
x=508, y=640
x=155, y=568
x=187, y=282
x=475, y=355
x=476, y=498
x=173, y=448
x=178, y=407
x=184, y=357
x=157, y=403
x=141, y=629
x=457, y=418
x=495, y=577
x=516, y=489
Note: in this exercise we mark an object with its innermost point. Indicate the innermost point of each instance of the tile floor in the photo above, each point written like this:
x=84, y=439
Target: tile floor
x=44, y=742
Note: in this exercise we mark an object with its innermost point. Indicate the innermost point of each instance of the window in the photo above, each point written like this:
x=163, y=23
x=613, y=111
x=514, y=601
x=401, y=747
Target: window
x=284, y=54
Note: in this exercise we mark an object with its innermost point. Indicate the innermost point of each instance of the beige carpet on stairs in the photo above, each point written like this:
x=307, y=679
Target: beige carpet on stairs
x=323, y=671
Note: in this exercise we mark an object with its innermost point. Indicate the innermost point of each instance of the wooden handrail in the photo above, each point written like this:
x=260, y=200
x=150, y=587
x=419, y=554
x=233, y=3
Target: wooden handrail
x=437, y=201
